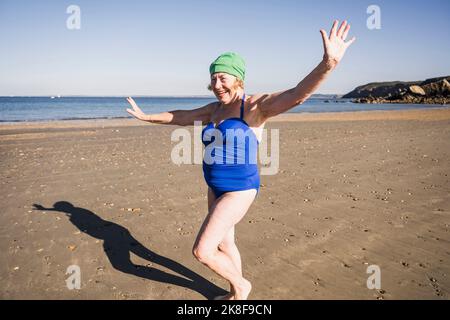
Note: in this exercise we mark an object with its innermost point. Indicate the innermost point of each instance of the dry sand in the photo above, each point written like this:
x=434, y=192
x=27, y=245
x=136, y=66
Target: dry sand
x=353, y=190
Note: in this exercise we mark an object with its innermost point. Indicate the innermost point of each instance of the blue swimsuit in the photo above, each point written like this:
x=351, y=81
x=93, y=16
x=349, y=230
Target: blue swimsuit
x=230, y=160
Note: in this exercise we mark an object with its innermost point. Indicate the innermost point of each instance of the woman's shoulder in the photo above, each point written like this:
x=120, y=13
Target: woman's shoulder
x=253, y=103
x=210, y=107
x=257, y=98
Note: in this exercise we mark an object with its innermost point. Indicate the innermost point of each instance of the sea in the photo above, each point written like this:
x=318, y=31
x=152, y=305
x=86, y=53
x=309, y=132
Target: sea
x=51, y=108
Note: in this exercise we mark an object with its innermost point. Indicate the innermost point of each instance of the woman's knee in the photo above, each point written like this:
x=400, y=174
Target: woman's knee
x=202, y=253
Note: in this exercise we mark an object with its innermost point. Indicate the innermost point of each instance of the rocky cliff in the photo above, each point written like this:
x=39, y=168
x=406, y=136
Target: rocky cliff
x=430, y=91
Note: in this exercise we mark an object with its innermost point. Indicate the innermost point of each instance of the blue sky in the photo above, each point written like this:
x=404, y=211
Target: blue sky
x=165, y=47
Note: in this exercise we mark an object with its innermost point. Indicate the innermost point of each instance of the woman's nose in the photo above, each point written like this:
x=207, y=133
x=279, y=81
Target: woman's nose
x=217, y=84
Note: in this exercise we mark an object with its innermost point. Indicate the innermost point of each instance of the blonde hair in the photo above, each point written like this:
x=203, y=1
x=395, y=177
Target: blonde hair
x=237, y=84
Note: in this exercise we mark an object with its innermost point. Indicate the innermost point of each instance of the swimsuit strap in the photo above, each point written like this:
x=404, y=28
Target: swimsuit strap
x=242, y=107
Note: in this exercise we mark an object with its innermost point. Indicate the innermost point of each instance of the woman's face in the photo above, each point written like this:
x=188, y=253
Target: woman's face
x=223, y=86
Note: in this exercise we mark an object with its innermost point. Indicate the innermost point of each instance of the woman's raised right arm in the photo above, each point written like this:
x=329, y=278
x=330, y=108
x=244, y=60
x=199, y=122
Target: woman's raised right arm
x=176, y=117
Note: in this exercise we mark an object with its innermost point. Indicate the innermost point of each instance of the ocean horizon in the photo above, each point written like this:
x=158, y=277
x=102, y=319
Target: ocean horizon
x=52, y=108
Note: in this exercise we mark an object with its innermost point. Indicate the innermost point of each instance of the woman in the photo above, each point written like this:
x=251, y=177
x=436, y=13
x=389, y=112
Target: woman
x=233, y=187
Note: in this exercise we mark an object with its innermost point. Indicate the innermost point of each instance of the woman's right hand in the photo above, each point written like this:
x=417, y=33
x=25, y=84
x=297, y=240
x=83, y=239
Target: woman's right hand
x=136, y=112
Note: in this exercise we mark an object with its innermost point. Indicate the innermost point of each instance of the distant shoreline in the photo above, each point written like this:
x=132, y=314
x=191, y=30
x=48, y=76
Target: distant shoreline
x=287, y=114
x=314, y=96
x=422, y=114
x=43, y=109
x=108, y=96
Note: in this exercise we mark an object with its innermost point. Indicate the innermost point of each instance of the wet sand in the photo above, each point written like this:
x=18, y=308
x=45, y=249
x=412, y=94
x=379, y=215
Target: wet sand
x=353, y=190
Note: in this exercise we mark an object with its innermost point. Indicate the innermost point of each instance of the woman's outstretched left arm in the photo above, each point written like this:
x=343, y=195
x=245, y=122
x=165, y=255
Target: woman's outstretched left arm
x=334, y=49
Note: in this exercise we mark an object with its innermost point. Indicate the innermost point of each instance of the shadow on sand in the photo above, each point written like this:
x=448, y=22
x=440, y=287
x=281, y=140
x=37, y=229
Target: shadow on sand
x=118, y=243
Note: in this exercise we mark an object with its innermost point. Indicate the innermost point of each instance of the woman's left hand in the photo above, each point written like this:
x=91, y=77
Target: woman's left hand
x=335, y=45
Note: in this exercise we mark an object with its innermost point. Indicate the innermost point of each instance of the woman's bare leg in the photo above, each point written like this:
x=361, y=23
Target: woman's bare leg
x=228, y=245
x=227, y=211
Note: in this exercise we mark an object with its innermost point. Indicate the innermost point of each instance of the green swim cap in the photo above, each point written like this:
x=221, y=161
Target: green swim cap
x=231, y=63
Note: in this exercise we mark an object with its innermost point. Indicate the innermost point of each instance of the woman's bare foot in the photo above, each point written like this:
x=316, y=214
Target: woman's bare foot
x=243, y=290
